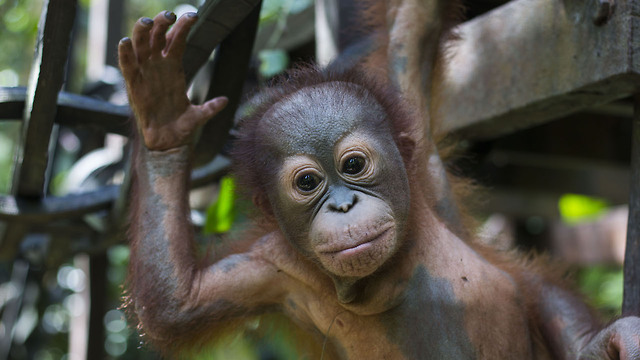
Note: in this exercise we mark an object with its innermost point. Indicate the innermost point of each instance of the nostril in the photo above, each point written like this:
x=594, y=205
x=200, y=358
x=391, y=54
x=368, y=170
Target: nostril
x=342, y=201
x=347, y=205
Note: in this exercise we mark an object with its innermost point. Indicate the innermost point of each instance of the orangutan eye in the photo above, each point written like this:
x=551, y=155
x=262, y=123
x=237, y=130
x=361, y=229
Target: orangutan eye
x=353, y=165
x=308, y=182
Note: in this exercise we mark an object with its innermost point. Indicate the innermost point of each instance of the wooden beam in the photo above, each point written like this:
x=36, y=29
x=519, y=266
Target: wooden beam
x=72, y=110
x=46, y=79
x=78, y=111
x=12, y=102
x=517, y=202
x=52, y=213
x=531, y=61
x=631, y=297
x=217, y=18
x=555, y=175
x=53, y=208
x=230, y=69
x=19, y=274
x=47, y=76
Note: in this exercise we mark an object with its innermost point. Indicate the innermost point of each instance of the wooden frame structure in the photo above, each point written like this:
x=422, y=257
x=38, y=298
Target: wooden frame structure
x=533, y=61
x=523, y=64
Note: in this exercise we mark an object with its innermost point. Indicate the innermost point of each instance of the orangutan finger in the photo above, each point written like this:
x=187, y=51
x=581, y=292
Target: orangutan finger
x=141, y=35
x=161, y=23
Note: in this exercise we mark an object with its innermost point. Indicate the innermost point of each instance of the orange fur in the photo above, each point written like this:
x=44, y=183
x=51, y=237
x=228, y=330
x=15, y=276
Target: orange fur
x=530, y=274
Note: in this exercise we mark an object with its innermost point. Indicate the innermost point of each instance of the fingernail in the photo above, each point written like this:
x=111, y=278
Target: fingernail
x=170, y=15
x=146, y=21
x=124, y=40
x=192, y=14
x=222, y=101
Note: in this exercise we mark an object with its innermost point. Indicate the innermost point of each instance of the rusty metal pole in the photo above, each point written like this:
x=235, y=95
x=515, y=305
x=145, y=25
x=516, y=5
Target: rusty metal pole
x=631, y=299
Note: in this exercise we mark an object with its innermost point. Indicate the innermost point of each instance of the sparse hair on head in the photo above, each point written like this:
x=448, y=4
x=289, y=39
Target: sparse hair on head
x=249, y=167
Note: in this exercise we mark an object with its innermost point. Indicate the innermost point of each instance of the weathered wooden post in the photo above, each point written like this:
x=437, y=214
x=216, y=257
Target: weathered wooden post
x=631, y=299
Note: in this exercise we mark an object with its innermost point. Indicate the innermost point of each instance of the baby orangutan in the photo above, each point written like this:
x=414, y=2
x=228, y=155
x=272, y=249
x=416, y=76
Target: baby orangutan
x=352, y=250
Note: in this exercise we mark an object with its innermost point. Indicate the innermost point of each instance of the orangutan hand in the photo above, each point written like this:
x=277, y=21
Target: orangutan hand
x=151, y=63
x=618, y=341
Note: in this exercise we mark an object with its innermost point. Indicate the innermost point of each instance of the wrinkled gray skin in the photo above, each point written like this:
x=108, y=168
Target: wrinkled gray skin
x=345, y=211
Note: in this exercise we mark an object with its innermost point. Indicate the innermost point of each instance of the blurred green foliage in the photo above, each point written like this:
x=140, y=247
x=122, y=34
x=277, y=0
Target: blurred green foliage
x=9, y=131
x=222, y=212
x=575, y=208
x=604, y=286
x=18, y=26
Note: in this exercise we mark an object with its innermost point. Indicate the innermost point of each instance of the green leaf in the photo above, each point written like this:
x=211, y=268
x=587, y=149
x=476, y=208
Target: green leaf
x=222, y=213
x=579, y=208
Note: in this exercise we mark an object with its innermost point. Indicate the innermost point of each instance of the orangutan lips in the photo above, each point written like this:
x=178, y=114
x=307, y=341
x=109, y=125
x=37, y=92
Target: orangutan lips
x=360, y=246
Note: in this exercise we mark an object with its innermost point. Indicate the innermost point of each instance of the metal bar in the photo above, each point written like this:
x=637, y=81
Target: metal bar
x=631, y=297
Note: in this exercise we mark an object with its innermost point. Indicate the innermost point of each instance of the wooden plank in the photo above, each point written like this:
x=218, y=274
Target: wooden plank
x=531, y=61
x=73, y=110
x=554, y=175
x=631, y=296
x=46, y=81
x=217, y=18
x=518, y=202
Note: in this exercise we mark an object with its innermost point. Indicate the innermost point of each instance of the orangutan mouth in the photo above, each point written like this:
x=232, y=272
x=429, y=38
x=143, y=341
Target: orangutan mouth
x=362, y=245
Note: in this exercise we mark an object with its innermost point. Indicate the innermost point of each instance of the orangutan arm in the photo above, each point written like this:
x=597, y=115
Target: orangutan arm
x=173, y=297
